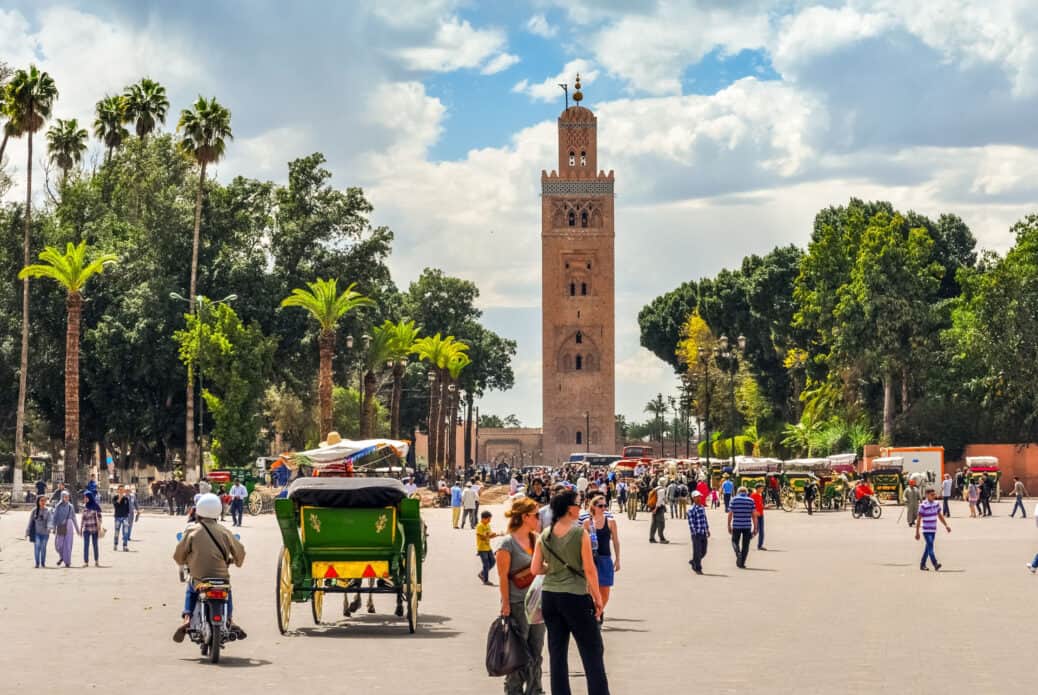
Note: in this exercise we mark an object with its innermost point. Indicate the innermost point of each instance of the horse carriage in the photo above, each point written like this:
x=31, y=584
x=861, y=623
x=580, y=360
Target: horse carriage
x=834, y=481
x=979, y=466
x=887, y=476
x=344, y=534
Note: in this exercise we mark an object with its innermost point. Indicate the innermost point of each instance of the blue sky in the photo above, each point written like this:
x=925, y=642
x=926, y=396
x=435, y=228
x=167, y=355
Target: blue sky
x=729, y=123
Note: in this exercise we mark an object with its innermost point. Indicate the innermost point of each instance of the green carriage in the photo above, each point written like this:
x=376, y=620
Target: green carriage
x=795, y=475
x=349, y=535
x=887, y=477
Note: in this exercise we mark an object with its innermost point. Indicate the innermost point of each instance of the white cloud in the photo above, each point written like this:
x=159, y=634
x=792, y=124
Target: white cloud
x=817, y=31
x=539, y=26
x=499, y=63
x=549, y=90
x=456, y=45
x=413, y=14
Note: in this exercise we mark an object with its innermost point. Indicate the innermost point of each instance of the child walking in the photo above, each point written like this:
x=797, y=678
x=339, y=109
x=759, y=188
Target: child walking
x=483, y=536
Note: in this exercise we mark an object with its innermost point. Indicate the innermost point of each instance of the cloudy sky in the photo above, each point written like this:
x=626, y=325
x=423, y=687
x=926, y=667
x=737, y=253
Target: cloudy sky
x=729, y=123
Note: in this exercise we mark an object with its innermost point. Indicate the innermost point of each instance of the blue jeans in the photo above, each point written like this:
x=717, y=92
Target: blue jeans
x=929, y=536
x=40, y=549
x=760, y=532
x=122, y=523
x=1019, y=505
x=191, y=599
x=1035, y=563
x=487, y=557
x=237, y=507
x=88, y=537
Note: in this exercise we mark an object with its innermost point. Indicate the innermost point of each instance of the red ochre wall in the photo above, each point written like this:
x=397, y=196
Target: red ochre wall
x=1015, y=460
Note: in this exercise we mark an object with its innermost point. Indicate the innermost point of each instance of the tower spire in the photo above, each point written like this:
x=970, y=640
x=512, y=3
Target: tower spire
x=577, y=94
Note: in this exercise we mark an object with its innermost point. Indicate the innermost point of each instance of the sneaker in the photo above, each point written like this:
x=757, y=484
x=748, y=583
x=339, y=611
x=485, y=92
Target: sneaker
x=652, y=540
x=125, y=549
x=664, y=540
x=1031, y=568
x=924, y=568
x=937, y=567
x=97, y=564
x=761, y=547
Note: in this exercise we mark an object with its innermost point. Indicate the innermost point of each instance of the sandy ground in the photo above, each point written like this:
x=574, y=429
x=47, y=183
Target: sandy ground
x=834, y=605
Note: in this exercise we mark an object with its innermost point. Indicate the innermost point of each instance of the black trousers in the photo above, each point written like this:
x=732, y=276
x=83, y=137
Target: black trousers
x=946, y=509
x=698, y=551
x=659, y=522
x=741, y=545
x=572, y=614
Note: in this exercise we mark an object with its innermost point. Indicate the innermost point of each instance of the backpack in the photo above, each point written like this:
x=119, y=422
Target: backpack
x=653, y=499
x=682, y=491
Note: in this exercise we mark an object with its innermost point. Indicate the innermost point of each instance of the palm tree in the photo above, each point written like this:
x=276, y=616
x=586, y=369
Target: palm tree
x=658, y=407
x=327, y=306
x=146, y=106
x=374, y=360
x=204, y=131
x=110, y=114
x=458, y=361
x=29, y=99
x=66, y=143
x=437, y=351
x=72, y=271
x=10, y=119
x=403, y=337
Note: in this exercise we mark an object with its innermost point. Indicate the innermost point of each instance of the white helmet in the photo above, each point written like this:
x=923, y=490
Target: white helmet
x=208, y=506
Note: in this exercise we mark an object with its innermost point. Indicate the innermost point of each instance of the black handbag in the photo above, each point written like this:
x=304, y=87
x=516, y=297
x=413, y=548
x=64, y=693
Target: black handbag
x=506, y=648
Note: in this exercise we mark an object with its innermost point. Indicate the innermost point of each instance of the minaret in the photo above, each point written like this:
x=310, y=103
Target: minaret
x=577, y=293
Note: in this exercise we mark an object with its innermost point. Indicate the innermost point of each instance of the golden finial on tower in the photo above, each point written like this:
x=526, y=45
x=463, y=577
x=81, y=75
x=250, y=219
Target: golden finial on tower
x=577, y=94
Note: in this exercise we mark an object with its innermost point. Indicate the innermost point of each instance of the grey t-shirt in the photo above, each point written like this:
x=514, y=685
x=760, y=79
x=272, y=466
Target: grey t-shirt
x=520, y=561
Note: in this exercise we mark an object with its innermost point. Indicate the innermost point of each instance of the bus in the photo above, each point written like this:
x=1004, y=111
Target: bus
x=638, y=452
x=601, y=459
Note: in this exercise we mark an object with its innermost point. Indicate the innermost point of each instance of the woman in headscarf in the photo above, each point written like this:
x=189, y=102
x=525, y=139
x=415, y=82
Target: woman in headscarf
x=38, y=530
x=63, y=520
x=90, y=528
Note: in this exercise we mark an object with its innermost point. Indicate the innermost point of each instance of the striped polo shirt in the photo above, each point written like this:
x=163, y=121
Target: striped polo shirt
x=928, y=512
x=742, y=508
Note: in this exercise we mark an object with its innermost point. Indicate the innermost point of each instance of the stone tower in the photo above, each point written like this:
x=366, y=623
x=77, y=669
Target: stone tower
x=577, y=289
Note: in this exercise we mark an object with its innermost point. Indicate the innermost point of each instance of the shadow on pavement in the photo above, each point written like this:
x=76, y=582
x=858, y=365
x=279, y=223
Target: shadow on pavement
x=385, y=627
x=232, y=662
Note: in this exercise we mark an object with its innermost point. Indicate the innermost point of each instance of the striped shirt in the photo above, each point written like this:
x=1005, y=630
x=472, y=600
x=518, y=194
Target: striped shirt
x=928, y=512
x=697, y=523
x=742, y=508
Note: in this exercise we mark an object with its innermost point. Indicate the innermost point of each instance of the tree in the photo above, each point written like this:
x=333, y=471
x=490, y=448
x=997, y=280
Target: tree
x=438, y=352
x=658, y=407
x=204, y=129
x=109, y=116
x=377, y=352
x=237, y=360
x=10, y=127
x=327, y=306
x=457, y=363
x=30, y=99
x=662, y=321
x=71, y=271
x=491, y=370
x=66, y=143
x=403, y=336
x=145, y=106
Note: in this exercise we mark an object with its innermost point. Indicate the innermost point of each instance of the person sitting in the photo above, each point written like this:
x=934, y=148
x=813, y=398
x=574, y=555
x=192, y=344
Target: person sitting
x=862, y=494
x=207, y=549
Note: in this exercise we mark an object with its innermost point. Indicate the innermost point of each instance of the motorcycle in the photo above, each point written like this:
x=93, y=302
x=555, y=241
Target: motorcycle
x=867, y=506
x=210, y=625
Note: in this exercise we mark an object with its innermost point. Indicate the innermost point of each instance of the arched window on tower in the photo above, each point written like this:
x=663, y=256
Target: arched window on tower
x=572, y=158
x=583, y=158
x=580, y=437
x=579, y=363
x=572, y=289
x=583, y=219
x=583, y=289
x=572, y=219
x=580, y=337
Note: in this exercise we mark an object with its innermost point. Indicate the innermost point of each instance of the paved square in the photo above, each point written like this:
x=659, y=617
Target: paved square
x=836, y=604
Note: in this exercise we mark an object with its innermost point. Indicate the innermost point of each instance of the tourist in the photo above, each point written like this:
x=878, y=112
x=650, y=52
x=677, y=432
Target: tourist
x=570, y=600
x=64, y=521
x=468, y=506
x=486, y=555
x=1033, y=566
x=986, y=488
x=633, y=500
x=912, y=499
x=239, y=493
x=537, y=492
x=758, y=502
x=38, y=530
x=476, y=487
x=90, y=528
x=59, y=490
x=1019, y=492
x=699, y=528
x=672, y=498
x=658, y=504
x=456, y=504
x=514, y=557
x=742, y=525
x=121, y=505
x=946, y=493
x=810, y=493
x=410, y=487
x=204, y=486
x=973, y=497
x=682, y=494
x=929, y=515
x=602, y=525
x=135, y=511
x=726, y=490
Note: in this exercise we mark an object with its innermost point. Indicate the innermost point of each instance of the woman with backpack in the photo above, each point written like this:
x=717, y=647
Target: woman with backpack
x=570, y=600
x=514, y=558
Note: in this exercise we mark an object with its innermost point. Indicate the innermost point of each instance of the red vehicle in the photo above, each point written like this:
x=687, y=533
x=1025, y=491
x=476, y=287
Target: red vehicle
x=644, y=453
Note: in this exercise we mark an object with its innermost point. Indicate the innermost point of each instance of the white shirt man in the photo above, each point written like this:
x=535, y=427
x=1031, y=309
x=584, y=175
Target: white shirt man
x=239, y=492
x=409, y=487
x=468, y=505
x=582, y=484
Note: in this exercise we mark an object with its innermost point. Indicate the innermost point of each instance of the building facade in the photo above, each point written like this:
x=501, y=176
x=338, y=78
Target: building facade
x=577, y=293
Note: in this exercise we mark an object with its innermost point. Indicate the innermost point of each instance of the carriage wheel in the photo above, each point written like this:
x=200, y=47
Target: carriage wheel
x=255, y=503
x=317, y=603
x=5, y=501
x=283, y=591
x=411, y=589
x=789, y=500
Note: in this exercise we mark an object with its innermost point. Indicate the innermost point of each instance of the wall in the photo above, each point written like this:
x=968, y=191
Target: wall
x=1015, y=459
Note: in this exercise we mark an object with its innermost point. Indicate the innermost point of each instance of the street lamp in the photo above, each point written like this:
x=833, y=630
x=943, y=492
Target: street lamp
x=587, y=428
x=704, y=359
x=730, y=354
x=200, y=302
x=431, y=438
x=674, y=432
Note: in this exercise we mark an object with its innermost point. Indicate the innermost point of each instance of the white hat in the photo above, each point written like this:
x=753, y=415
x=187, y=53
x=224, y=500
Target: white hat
x=696, y=493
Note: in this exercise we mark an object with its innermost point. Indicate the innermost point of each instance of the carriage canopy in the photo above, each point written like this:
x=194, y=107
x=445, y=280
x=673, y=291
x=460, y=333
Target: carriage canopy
x=347, y=493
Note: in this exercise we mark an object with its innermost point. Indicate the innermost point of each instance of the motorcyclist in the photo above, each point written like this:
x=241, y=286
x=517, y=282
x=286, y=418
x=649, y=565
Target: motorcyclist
x=207, y=549
x=862, y=494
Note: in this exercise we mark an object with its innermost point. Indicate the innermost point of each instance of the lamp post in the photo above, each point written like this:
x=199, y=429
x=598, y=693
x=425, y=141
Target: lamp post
x=587, y=428
x=730, y=353
x=431, y=438
x=704, y=359
x=200, y=304
x=674, y=429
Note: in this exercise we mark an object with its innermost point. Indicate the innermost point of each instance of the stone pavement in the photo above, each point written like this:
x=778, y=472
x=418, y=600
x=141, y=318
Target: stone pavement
x=835, y=604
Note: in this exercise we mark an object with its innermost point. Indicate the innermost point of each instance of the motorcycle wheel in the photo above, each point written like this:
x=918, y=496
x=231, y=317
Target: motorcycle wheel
x=214, y=645
x=855, y=512
x=876, y=511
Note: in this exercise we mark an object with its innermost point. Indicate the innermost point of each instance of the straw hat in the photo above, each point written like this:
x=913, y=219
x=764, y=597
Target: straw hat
x=332, y=439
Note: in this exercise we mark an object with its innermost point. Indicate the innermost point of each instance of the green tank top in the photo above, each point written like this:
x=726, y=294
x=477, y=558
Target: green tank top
x=559, y=577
